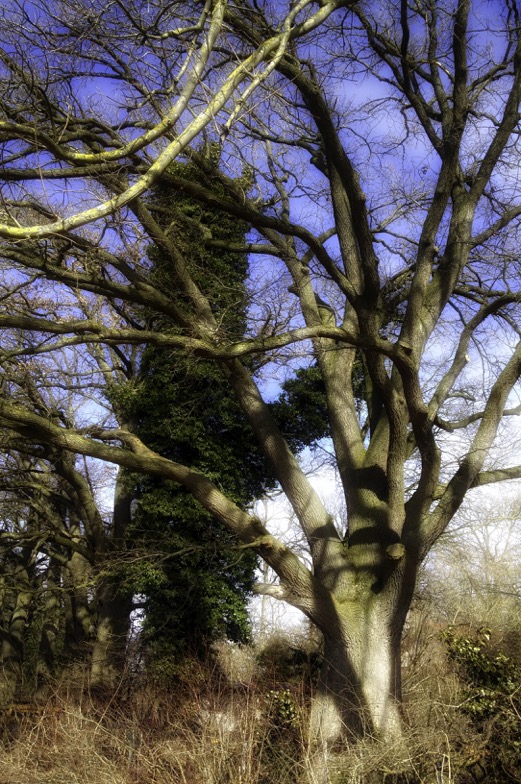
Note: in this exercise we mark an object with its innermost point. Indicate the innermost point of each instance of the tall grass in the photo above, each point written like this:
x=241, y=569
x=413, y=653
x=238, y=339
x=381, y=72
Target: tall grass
x=227, y=722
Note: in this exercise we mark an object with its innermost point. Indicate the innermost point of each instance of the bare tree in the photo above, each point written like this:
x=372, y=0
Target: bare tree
x=473, y=572
x=379, y=151
x=62, y=534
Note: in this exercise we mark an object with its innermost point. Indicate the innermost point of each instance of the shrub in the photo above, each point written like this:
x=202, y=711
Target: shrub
x=492, y=700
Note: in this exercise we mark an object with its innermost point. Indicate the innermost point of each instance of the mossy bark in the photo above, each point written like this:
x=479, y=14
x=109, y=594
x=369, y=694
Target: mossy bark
x=359, y=688
x=109, y=650
x=13, y=637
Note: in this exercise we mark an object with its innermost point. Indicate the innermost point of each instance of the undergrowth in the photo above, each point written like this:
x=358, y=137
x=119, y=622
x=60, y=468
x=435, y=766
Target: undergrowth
x=241, y=718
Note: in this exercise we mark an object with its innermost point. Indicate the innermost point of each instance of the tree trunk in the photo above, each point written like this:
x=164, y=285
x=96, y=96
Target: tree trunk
x=359, y=685
x=51, y=642
x=114, y=604
x=108, y=654
x=13, y=637
x=79, y=615
x=359, y=689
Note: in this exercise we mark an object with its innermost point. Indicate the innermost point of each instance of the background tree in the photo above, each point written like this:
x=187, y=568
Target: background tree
x=57, y=514
x=196, y=588
x=482, y=546
x=407, y=197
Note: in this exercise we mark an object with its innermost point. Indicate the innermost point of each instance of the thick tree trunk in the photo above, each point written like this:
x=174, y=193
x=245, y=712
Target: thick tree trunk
x=359, y=687
x=109, y=651
x=359, y=690
x=13, y=638
x=358, y=693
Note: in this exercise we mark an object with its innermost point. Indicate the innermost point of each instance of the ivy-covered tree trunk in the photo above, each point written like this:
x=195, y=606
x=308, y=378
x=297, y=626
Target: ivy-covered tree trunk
x=197, y=592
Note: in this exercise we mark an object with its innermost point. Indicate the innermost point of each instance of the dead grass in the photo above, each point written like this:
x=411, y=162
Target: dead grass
x=220, y=727
x=228, y=739
x=58, y=746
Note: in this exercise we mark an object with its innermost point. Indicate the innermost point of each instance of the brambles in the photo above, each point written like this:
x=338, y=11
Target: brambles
x=218, y=728
x=492, y=700
x=283, y=709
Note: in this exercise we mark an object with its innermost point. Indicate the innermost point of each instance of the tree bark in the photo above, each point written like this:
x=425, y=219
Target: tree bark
x=114, y=604
x=108, y=654
x=13, y=637
x=359, y=685
x=79, y=615
x=51, y=642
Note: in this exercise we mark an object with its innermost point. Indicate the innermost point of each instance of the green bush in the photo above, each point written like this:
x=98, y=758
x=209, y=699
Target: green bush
x=492, y=700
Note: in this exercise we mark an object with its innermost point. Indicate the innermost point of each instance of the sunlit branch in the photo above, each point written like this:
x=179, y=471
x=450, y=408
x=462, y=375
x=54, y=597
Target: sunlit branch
x=461, y=424
x=268, y=50
x=93, y=332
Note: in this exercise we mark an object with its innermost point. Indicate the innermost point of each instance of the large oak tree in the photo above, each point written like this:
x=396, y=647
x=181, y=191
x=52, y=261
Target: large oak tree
x=383, y=145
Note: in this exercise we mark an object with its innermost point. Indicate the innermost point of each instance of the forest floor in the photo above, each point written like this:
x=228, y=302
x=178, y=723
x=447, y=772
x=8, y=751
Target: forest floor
x=241, y=717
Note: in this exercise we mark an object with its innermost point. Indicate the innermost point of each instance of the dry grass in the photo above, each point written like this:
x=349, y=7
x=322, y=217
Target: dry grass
x=228, y=739
x=221, y=727
x=58, y=745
